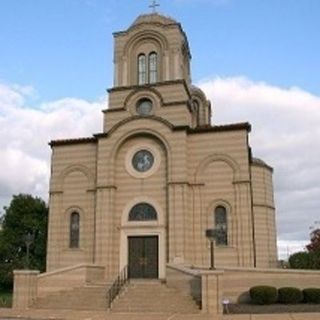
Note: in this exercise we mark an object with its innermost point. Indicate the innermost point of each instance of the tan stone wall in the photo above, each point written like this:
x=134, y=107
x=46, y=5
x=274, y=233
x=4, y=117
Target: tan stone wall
x=197, y=172
x=68, y=278
x=187, y=282
x=236, y=283
x=218, y=167
x=71, y=189
x=169, y=102
x=233, y=284
x=264, y=217
x=25, y=288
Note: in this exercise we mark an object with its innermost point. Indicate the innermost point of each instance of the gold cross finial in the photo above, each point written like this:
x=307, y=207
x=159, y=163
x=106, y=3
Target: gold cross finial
x=154, y=5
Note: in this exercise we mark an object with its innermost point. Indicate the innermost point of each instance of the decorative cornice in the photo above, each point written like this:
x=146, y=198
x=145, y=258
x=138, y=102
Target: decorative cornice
x=152, y=85
x=54, y=143
x=178, y=183
x=227, y=127
x=264, y=206
x=106, y=187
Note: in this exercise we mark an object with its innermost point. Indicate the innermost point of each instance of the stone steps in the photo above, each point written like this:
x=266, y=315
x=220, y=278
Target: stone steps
x=144, y=296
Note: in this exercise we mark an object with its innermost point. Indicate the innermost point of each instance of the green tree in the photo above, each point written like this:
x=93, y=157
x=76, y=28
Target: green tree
x=314, y=245
x=25, y=215
x=301, y=260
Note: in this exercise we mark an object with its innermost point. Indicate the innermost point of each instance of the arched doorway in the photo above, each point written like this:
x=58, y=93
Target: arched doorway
x=143, y=241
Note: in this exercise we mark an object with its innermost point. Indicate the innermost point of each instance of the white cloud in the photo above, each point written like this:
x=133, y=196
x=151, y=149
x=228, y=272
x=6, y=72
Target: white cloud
x=286, y=248
x=25, y=131
x=285, y=133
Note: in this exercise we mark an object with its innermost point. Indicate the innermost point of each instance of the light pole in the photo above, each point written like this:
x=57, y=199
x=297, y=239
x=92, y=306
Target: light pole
x=213, y=235
x=28, y=239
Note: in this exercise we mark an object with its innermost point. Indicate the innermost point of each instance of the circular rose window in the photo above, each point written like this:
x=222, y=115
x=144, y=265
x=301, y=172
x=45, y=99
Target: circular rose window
x=142, y=160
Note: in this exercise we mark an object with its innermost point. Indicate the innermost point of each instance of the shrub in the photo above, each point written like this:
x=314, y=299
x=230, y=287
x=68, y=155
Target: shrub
x=263, y=294
x=290, y=295
x=311, y=295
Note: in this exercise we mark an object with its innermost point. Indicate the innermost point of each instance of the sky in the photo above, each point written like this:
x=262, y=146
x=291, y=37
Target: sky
x=257, y=61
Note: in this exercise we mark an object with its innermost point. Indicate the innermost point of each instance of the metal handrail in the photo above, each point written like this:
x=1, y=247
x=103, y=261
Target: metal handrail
x=118, y=284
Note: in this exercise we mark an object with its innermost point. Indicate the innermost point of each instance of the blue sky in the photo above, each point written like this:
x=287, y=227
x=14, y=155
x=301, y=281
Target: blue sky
x=65, y=47
x=257, y=61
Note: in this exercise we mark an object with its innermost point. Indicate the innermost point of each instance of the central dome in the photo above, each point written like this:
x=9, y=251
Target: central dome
x=153, y=18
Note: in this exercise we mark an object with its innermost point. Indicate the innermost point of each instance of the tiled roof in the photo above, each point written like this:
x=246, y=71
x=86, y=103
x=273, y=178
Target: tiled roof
x=60, y=142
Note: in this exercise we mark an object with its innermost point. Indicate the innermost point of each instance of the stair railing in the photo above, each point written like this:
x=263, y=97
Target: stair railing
x=118, y=284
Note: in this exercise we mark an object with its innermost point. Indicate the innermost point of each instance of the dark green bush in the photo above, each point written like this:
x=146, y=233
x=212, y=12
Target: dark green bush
x=311, y=295
x=263, y=294
x=301, y=260
x=290, y=295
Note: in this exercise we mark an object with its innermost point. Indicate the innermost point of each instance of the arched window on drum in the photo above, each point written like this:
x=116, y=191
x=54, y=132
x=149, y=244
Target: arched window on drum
x=142, y=69
x=153, y=67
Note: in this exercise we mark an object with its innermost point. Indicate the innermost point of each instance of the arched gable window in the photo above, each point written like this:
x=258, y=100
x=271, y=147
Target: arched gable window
x=143, y=212
x=74, y=230
x=142, y=69
x=153, y=67
x=221, y=225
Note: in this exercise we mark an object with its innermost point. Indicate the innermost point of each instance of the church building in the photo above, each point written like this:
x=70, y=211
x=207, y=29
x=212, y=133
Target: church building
x=143, y=192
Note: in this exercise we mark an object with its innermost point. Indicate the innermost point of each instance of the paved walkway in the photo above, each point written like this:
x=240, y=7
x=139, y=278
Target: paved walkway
x=9, y=314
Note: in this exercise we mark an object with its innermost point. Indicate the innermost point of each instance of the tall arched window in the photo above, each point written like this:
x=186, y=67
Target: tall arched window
x=153, y=67
x=142, y=212
x=74, y=230
x=142, y=69
x=221, y=225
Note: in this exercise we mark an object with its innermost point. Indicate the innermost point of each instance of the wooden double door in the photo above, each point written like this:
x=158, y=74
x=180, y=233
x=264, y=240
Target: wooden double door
x=143, y=257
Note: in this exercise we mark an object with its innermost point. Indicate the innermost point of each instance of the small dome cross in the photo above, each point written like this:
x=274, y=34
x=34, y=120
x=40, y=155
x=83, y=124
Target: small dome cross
x=154, y=6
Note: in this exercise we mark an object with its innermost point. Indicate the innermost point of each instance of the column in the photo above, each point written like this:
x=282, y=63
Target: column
x=104, y=229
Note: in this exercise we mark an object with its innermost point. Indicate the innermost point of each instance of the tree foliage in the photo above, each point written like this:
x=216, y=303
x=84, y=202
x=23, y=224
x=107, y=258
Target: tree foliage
x=25, y=215
x=301, y=260
x=309, y=259
x=314, y=245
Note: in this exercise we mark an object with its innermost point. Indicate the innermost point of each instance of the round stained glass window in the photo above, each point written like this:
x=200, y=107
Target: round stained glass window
x=142, y=160
x=144, y=107
x=142, y=212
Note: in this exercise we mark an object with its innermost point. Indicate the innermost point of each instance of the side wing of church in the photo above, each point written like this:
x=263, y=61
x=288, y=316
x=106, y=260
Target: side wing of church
x=143, y=192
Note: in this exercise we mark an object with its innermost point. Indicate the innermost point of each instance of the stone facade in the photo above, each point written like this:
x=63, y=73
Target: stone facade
x=187, y=170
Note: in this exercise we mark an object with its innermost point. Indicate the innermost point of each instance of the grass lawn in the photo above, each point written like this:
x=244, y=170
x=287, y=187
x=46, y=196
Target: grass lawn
x=5, y=299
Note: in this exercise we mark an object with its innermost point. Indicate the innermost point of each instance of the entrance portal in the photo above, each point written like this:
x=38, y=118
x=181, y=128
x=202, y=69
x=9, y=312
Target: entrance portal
x=143, y=257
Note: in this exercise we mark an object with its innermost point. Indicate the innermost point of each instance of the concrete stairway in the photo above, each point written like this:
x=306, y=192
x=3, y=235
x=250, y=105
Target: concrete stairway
x=90, y=297
x=153, y=296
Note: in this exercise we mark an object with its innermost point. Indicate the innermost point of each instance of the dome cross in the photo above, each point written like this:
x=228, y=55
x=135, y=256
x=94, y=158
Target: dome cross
x=154, y=6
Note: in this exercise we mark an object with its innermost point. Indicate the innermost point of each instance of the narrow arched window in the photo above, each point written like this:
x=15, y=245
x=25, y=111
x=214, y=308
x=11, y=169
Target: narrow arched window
x=142, y=212
x=74, y=230
x=142, y=69
x=221, y=225
x=153, y=67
